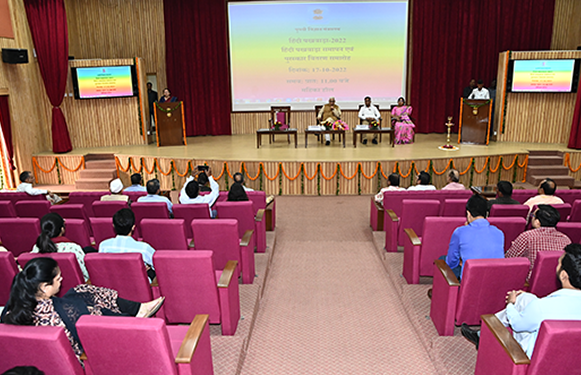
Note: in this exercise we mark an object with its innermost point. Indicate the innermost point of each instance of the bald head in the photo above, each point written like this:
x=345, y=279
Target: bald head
x=547, y=187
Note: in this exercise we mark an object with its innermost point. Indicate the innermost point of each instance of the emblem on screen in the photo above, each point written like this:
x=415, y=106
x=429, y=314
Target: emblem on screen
x=317, y=15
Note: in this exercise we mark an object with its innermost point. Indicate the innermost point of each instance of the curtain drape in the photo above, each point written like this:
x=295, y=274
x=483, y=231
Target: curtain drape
x=575, y=137
x=456, y=40
x=7, y=130
x=197, y=63
x=48, y=25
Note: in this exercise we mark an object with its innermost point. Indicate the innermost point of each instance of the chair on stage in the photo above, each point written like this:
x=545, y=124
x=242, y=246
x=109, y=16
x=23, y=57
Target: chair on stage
x=19, y=235
x=68, y=264
x=149, y=210
x=280, y=115
x=107, y=208
x=32, y=208
x=163, y=234
x=509, y=210
x=189, y=212
x=76, y=231
x=8, y=270
x=7, y=209
x=572, y=230
x=414, y=211
x=244, y=213
x=543, y=281
x=510, y=226
x=453, y=207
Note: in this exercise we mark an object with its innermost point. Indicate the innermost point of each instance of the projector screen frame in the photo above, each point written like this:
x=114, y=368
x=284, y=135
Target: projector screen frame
x=574, y=78
x=134, y=82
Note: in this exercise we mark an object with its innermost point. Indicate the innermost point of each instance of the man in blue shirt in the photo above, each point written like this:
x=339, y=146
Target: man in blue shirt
x=136, y=183
x=153, y=190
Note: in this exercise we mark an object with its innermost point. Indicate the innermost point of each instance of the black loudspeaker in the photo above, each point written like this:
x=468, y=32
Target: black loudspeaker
x=15, y=56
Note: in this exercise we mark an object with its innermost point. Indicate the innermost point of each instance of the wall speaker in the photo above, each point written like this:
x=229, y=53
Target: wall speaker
x=14, y=56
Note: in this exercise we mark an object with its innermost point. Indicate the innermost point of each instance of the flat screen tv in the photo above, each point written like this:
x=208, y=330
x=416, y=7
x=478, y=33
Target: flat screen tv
x=543, y=76
x=104, y=82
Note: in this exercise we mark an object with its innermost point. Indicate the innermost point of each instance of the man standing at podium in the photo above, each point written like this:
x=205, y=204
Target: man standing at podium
x=480, y=92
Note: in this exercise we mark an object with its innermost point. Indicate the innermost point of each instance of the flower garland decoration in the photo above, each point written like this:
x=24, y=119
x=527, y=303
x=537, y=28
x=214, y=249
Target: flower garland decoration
x=168, y=111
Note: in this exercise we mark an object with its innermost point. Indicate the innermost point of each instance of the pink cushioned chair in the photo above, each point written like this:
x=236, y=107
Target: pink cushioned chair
x=509, y=210
x=413, y=213
x=543, y=280
x=163, y=234
x=32, y=208
x=128, y=345
x=72, y=211
x=377, y=213
x=46, y=348
x=18, y=196
x=419, y=253
x=189, y=212
x=556, y=349
x=572, y=230
x=107, y=208
x=523, y=195
x=575, y=215
x=19, y=235
x=221, y=236
x=564, y=209
x=569, y=196
x=191, y=286
x=76, y=231
x=510, y=226
x=149, y=210
x=244, y=213
x=7, y=209
x=259, y=199
x=135, y=195
x=453, y=207
x=8, y=270
x=86, y=198
x=102, y=229
x=485, y=283
x=68, y=264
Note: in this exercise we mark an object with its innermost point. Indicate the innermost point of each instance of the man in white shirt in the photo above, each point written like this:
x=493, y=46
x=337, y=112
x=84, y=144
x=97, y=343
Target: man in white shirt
x=367, y=114
x=480, y=92
x=546, y=195
x=115, y=187
x=26, y=186
x=153, y=191
x=393, y=185
x=423, y=182
x=190, y=192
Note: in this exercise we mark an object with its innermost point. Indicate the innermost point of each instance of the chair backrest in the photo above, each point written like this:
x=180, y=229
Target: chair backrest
x=19, y=234
x=187, y=279
x=126, y=345
x=575, y=215
x=453, y=207
x=281, y=114
x=523, y=195
x=107, y=208
x=189, y=212
x=86, y=198
x=485, y=283
x=556, y=348
x=7, y=209
x=509, y=210
x=102, y=229
x=393, y=199
x=220, y=236
x=123, y=272
x=149, y=210
x=222, y=196
x=32, y=208
x=46, y=348
x=569, y=196
x=510, y=226
x=72, y=211
x=241, y=211
x=8, y=270
x=258, y=198
x=572, y=230
x=68, y=264
x=436, y=239
x=164, y=234
x=76, y=231
x=564, y=210
x=414, y=211
x=20, y=196
x=543, y=280
x=317, y=110
x=135, y=195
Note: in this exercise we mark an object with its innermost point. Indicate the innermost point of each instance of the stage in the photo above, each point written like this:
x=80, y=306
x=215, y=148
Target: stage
x=280, y=168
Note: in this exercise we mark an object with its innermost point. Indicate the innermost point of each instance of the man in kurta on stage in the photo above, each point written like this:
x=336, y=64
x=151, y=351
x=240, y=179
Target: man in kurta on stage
x=329, y=114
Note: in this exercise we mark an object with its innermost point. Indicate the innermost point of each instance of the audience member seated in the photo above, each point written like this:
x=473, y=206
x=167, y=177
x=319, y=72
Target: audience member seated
x=52, y=240
x=33, y=301
x=190, y=192
x=115, y=187
x=525, y=312
x=454, y=181
x=546, y=195
x=23, y=370
x=26, y=186
x=124, y=225
x=369, y=115
x=203, y=182
x=392, y=184
x=423, y=182
x=237, y=193
x=153, y=195
x=404, y=127
x=543, y=237
x=328, y=114
x=239, y=177
x=503, y=194
x=479, y=92
x=136, y=181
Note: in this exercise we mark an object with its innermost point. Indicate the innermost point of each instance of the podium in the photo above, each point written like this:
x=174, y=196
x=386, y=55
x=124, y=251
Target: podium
x=170, y=125
x=474, y=121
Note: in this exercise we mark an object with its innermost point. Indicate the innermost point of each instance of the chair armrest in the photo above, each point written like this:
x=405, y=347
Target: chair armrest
x=414, y=239
x=379, y=206
x=83, y=357
x=191, y=244
x=271, y=203
x=154, y=282
x=446, y=271
x=246, y=238
x=227, y=274
x=392, y=215
x=259, y=215
x=506, y=340
x=192, y=338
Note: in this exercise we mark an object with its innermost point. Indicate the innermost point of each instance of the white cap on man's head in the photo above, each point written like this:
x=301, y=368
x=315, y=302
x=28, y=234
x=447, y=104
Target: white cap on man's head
x=116, y=186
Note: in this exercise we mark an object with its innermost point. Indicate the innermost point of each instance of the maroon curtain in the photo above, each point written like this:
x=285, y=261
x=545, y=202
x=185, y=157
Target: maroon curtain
x=7, y=130
x=197, y=63
x=456, y=40
x=48, y=24
x=575, y=137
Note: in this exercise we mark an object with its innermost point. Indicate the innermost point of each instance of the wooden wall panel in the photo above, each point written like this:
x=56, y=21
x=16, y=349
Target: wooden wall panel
x=566, y=25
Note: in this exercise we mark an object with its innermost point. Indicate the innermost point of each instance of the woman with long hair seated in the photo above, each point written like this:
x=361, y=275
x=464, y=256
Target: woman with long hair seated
x=33, y=301
x=237, y=193
x=52, y=240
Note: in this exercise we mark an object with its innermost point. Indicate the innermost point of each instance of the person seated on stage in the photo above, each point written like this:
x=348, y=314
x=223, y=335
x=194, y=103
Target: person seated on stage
x=454, y=181
x=190, y=192
x=369, y=114
x=525, y=312
x=237, y=193
x=543, y=237
x=392, y=185
x=503, y=194
x=167, y=98
x=26, y=186
x=546, y=195
x=468, y=90
x=115, y=186
x=480, y=92
x=239, y=177
x=423, y=182
x=404, y=127
x=328, y=115
x=153, y=195
x=136, y=181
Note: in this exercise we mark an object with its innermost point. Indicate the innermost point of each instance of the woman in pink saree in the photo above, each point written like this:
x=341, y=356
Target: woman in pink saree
x=403, y=125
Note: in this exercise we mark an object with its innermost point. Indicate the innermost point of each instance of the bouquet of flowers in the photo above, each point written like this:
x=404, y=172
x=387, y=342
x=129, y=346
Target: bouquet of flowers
x=374, y=124
x=278, y=126
x=340, y=125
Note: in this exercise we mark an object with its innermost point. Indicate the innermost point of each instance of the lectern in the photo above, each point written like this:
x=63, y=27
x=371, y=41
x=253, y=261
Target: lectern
x=474, y=121
x=170, y=126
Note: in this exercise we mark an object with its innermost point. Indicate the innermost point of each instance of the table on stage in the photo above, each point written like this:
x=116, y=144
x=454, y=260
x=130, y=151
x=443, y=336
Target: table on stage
x=379, y=131
x=341, y=134
x=271, y=133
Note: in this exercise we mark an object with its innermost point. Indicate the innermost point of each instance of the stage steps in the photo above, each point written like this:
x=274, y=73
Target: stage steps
x=99, y=170
x=548, y=164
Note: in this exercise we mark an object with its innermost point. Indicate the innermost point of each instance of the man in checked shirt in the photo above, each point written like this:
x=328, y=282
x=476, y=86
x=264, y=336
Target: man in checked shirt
x=543, y=237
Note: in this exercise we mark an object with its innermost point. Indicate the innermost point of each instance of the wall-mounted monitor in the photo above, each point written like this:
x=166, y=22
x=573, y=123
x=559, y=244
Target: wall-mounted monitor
x=104, y=82
x=543, y=76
